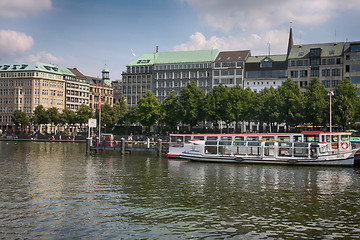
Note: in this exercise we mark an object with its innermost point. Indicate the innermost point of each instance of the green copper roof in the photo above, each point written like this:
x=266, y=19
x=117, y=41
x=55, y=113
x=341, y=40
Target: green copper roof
x=274, y=58
x=176, y=57
x=327, y=50
x=35, y=66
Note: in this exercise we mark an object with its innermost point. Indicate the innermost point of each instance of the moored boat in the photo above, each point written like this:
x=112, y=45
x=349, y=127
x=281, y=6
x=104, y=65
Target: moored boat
x=306, y=148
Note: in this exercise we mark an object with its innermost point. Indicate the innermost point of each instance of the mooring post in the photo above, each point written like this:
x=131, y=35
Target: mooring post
x=122, y=145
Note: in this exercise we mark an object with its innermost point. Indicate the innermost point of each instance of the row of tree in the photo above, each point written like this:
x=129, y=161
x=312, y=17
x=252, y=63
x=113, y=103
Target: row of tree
x=286, y=104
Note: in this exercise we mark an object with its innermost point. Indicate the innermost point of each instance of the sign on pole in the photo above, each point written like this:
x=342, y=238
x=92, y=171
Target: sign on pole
x=92, y=123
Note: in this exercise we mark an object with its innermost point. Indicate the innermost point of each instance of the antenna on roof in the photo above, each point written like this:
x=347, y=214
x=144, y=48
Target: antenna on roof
x=335, y=35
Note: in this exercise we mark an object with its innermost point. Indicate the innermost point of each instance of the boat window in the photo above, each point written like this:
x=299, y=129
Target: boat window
x=311, y=138
x=224, y=150
x=268, y=138
x=226, y=138
x=187, y=138
x=301, y=149
x=239, y=143
x=328, y=138
x=345, y=138
x=300, y=144
x=285, y=144
x=210, y=149
x=334, y=138
x=254, y=143
x=175, y=139
x=211, y=143
x=284, y=138
x=211, y=138
x=269, y=149
x=297, y=138
x=253, y=138
x=237, y=138
x=198, y=137
x=225, y=143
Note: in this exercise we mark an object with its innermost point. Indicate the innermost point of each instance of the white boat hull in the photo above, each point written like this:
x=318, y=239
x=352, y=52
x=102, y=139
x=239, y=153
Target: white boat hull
x=335, y=160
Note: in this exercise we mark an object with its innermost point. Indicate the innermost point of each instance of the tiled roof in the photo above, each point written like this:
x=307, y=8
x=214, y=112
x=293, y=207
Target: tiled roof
x=34, y=66
x=274, y=58
x=232, y=56
x=327, y=50
x=176, y=57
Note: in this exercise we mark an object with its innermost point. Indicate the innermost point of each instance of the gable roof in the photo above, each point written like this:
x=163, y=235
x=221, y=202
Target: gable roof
x=274, y=58
x=233, y=56
x=176, y=57
x=327, y=50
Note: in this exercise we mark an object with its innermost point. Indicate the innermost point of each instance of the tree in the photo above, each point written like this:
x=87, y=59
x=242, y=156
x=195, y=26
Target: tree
x=68, y=116
x=121, y=111
x=218, y=105
x=83, y=114
x=20, y=118
x=316, y=103
x=291, y=103
x=147, y=111
x=238, y=103
x=269, y=113
x=345, y=103
x=191, y=104
x=170, y=110
x=40, y=115
x=54, y=115
x=107, y=116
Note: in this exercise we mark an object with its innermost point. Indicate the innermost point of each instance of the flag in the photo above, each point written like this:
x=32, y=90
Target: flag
x=99, y=106
x=132, y=53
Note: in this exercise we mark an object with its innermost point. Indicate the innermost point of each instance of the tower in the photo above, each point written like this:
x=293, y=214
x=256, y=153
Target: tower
x=291, y=41
x=106, y=76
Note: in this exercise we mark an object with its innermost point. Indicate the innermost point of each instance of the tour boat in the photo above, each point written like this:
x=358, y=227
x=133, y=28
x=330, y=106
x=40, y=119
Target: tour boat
x=305, y=148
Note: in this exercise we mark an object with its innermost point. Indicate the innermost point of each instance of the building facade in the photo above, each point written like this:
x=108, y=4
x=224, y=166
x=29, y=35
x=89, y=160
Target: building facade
x=229, y=68
x=323, y=61
x=352, y=63
x=265, y=72
x=174, y=70
x=77, y=90
x=24, y=86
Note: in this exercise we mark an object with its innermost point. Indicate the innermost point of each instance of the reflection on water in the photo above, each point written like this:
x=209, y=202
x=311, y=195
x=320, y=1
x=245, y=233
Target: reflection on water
x=55, y=190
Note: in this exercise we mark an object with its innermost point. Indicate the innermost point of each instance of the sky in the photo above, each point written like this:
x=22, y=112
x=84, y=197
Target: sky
x=92, y=34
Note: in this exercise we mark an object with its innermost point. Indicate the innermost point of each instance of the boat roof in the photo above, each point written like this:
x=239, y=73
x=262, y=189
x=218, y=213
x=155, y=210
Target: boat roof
x=259, y=134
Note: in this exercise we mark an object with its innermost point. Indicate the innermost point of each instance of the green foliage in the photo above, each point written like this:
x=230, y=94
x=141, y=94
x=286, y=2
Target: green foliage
x=147, y=111
x=20, y=118
x=83, y=114
x=121, y=111
x=68, y=116
x=191, y=104
x=170, y=110
x=40, y=116
x=291, y=103
x=218, y=104
x=345, y=103
x=316, y=103
x=54, y=115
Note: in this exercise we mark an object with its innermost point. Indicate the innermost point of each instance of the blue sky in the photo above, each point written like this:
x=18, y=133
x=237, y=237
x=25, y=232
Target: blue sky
x=88, y=34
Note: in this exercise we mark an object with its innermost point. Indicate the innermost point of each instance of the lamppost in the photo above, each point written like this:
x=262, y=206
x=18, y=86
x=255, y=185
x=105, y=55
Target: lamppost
x=331, y=93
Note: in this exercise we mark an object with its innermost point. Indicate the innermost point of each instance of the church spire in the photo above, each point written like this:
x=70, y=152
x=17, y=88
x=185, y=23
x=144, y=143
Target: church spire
x=291, y=40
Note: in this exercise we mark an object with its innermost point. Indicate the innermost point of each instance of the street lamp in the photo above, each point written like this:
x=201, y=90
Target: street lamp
x=330, y=93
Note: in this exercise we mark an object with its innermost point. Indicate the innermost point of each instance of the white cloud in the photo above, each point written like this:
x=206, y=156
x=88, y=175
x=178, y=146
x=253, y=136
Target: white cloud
x=42, y=57
x=257, y=43
x=13, y=43
x=259, y=15
x=198, y=41
x=23, y=8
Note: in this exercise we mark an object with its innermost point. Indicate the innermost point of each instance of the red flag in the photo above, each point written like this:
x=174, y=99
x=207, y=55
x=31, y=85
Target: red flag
x=99, y=106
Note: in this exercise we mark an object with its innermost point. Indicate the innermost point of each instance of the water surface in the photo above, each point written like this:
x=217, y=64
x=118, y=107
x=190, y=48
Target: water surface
x=56, y=191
